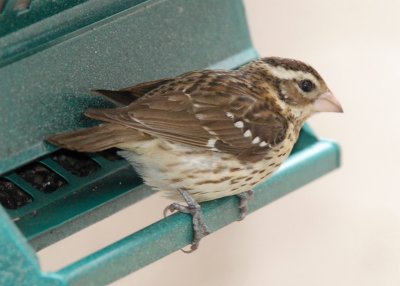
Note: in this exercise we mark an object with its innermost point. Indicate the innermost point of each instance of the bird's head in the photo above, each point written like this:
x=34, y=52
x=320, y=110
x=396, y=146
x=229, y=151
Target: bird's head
x=297, y=87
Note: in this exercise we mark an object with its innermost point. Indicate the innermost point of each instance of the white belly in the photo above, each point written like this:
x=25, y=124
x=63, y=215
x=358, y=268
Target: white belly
x=205, y=175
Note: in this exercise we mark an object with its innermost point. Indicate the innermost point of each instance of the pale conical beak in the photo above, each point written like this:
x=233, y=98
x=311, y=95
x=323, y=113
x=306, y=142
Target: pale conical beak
x=327, y=103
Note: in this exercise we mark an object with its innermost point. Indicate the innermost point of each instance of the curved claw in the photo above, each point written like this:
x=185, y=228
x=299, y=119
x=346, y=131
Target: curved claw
x=173, y=208
x=200, y=229
x=193, y=247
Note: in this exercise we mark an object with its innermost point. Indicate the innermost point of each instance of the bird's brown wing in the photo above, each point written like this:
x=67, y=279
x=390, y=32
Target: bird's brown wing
x=127, y=95
x=223, y=117
x=97, y=138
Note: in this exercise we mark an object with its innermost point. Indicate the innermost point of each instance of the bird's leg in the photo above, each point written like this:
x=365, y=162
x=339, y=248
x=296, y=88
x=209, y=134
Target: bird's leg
x=200, y=229
x=244, y=203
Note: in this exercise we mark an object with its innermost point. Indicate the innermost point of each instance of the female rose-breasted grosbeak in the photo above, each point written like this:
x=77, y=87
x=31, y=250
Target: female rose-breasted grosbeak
x=208, y=134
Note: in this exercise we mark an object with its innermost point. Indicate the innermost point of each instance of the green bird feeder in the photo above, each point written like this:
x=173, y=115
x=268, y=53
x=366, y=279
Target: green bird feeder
x=52, y=52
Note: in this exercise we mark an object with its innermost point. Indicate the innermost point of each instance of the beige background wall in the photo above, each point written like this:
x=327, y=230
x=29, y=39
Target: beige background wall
x=343, y=229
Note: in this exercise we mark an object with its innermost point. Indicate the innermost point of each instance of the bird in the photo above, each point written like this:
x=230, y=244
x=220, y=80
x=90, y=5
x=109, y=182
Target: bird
x=208, y=134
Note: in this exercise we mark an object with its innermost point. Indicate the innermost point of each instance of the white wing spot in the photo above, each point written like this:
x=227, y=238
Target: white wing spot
x=209, y=130
x=263, y=144
x=238, y=124
x=247, y=133
x=137, y=120
x=199, y=116
x=187, y=94
x=211, y=143
x=230, y=115
x=256, y=140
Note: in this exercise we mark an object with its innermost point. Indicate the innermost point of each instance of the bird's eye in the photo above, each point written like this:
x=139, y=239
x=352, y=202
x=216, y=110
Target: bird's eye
x=306, y=85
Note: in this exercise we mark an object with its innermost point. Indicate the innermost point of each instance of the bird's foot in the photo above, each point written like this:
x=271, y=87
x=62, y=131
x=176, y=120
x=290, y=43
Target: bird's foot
x=200, y=229
x=244, y=203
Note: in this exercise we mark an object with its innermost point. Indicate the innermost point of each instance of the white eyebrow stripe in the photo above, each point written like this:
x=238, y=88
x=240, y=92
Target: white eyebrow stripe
x=283, y=73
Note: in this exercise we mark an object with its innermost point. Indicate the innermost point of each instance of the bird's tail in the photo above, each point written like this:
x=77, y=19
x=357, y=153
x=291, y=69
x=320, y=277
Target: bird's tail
x=95, y=139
